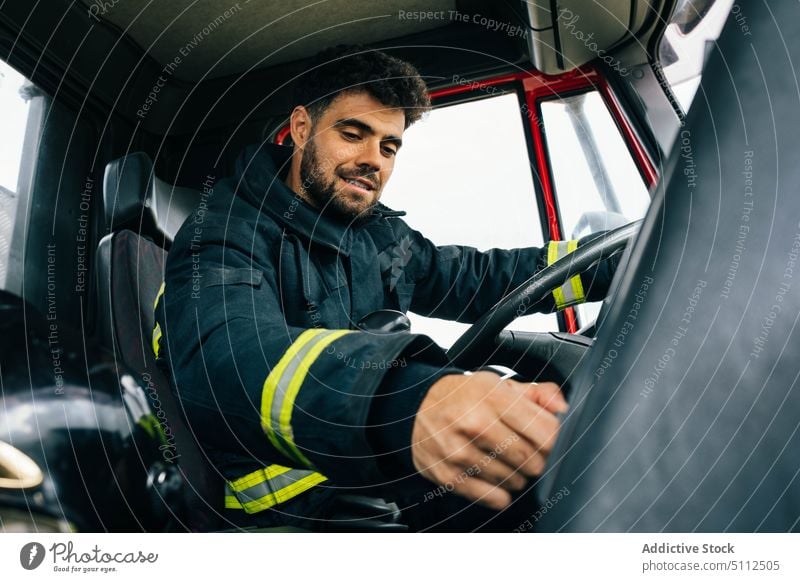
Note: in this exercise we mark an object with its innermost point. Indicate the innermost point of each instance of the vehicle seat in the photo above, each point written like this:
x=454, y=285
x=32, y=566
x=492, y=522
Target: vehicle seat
x=143, y=214
x=684, y=414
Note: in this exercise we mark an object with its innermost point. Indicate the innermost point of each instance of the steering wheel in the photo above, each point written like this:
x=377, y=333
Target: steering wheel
x=557, y=350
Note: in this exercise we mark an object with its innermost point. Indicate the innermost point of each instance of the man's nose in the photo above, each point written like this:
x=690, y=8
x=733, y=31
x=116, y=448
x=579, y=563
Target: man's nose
x=369, y=157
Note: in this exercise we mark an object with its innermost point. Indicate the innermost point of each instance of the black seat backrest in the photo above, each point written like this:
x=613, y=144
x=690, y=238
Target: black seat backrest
x=144, y=213
x=685, y=415
x=135, y=198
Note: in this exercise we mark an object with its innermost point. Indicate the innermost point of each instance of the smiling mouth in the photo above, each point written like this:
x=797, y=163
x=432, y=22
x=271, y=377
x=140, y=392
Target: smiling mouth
x=360, y=183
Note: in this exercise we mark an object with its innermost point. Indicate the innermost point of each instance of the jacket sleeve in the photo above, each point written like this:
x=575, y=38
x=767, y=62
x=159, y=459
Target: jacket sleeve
x=254, y=386
x=462, y=283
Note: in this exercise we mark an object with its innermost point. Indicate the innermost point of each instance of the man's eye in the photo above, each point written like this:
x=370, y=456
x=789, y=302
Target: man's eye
x=350, y=135
x=389, y=151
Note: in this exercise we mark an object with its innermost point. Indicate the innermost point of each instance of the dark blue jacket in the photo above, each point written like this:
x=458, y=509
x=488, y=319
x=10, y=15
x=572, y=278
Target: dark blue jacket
x=256, y=322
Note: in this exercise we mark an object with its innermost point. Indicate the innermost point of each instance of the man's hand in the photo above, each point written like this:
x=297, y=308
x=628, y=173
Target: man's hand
x=483, y=437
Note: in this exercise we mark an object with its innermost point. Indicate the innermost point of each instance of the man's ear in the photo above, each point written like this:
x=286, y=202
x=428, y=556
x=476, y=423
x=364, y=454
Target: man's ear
x=300, y=126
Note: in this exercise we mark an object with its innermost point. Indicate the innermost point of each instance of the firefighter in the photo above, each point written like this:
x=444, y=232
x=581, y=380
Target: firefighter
x=257, y=322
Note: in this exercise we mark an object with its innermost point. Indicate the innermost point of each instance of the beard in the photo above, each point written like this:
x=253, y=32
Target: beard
x=326, y=195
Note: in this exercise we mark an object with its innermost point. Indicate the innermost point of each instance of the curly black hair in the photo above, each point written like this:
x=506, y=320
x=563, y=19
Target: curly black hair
x=354, y=68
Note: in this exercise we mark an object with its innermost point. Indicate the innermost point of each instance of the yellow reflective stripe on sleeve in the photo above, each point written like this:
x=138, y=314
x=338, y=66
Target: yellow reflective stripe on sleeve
x=159, y=294
x=283, y=385
x=270, y=385
x=552, y=252
x=156, y=339
x=572, y=245
x=570, y=292
x=558, y=296
x=157, y=329
x=269, y=487
x=295, y=383
x=575, y=282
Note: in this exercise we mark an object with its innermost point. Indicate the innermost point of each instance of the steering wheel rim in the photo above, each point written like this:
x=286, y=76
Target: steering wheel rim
x=485, y=330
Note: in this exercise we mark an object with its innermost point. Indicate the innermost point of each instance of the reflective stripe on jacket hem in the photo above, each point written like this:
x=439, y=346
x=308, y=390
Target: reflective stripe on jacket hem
x=269, y=487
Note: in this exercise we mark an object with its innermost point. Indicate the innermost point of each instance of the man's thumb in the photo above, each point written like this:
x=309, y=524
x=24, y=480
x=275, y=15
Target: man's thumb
x=548, y=395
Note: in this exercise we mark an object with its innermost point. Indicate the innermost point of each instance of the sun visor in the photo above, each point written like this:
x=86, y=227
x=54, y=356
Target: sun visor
x=567, y=34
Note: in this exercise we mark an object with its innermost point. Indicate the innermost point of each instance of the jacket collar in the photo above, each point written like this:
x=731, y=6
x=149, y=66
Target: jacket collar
x=260, y=172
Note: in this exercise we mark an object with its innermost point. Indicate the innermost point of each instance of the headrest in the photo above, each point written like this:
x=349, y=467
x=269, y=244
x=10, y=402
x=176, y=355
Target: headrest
x=136, y=199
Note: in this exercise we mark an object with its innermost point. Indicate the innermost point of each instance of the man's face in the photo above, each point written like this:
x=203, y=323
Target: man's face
x=350, y=156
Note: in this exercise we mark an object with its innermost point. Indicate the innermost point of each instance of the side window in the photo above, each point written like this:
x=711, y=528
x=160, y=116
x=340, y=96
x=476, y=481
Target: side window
x=464, y=177
x=15, y=115
x=596, y=181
